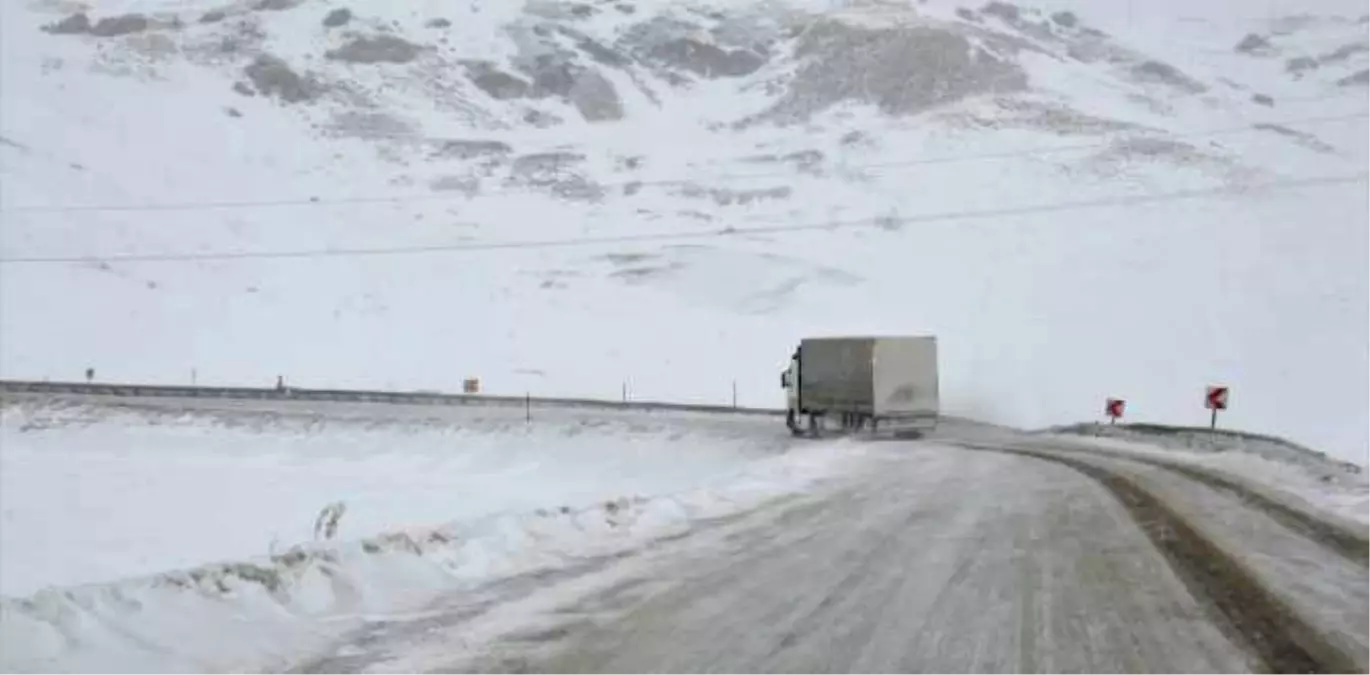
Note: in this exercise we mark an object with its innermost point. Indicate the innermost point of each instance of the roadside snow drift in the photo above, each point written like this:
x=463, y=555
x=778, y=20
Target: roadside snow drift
x=1338, y=489
x=111, y=499
x=98, y=493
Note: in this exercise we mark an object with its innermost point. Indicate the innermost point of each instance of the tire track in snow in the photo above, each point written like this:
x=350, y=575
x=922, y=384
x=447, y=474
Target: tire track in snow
x=1240, y=605
x=1354, y=546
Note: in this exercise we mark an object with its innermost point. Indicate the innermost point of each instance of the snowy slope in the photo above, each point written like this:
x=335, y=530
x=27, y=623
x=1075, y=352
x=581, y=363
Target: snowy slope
x=474, y=140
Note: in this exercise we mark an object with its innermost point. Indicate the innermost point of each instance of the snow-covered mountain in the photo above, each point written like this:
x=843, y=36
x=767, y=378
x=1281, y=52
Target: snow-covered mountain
x=1081, y=199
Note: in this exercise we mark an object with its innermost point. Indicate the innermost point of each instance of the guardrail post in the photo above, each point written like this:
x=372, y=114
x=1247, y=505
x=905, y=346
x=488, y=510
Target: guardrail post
x=734, y=394
x=528, y=408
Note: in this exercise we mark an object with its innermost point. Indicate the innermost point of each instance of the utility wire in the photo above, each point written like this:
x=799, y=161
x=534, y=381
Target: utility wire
x=430, y=196
x=880, y=221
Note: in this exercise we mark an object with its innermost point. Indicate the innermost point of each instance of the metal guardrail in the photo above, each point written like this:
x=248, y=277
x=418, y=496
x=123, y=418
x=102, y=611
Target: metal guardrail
x=354, y=396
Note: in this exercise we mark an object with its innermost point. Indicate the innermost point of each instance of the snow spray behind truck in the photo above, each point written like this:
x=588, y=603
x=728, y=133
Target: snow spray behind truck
x=853, y=383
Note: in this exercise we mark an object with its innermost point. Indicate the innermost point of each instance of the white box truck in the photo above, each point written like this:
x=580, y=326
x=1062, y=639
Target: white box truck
x=853, y=383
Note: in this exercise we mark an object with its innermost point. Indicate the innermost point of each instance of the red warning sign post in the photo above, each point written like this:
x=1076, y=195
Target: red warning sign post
x=1114, y=408
x=1215, y=399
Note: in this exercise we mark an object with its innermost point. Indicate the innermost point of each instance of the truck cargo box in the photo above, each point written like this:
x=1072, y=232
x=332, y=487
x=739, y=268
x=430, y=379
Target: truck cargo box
x=882, y=377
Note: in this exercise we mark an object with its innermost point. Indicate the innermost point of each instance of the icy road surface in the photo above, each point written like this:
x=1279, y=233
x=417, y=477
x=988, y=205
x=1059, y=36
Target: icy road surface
x=939, y=558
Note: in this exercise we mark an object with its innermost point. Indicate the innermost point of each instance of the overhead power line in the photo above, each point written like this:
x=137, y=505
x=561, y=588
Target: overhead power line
x=883, y=221
x=295, y=202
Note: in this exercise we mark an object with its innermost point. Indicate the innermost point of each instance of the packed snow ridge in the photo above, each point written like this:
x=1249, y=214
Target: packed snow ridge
x=850, y=168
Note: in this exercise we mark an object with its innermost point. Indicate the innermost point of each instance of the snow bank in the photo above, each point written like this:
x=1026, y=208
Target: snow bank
x=1295, y=474
x=267, y=611
x=143, y=491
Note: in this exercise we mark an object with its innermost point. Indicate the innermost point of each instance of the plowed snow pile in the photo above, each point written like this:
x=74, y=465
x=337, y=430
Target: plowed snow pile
x=189, y=535
x=1337, y=488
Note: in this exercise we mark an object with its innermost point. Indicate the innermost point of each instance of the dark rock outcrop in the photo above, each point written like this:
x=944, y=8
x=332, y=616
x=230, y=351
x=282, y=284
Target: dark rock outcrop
x=376, y=49
x=271, y=76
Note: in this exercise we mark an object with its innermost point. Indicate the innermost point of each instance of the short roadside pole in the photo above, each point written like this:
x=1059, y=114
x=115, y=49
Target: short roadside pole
x=1215, y=399
x=1114, y=408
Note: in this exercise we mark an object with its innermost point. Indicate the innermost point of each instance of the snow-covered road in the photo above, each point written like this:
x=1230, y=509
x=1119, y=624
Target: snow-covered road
x=938, y=558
